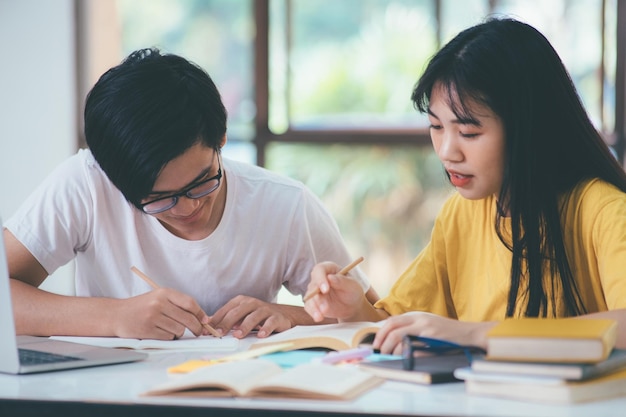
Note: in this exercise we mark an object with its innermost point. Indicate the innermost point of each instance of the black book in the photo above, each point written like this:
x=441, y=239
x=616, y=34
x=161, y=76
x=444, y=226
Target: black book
x=428, y=369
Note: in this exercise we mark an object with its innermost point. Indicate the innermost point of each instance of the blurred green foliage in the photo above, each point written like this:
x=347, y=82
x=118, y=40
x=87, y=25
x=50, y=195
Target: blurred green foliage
x=384, y=198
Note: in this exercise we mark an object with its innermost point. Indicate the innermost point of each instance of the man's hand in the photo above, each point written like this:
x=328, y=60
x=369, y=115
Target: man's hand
x=244, y=314
x=159, y=314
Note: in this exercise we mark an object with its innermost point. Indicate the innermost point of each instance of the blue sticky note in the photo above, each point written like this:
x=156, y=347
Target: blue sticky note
x=293, y=357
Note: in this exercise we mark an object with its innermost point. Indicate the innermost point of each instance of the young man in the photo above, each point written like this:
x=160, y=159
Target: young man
x=153, y=191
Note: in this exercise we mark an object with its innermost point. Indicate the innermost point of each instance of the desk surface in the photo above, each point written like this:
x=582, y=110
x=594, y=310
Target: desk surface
x=115, y=391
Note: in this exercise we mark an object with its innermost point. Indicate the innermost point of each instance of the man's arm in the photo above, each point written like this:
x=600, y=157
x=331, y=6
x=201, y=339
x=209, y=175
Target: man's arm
x=159, y=314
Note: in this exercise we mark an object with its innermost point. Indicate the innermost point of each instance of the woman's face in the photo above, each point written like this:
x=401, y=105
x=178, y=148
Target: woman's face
x=472, y=151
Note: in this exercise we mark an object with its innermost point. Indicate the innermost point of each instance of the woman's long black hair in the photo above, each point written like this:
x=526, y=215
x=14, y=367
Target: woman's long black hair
x=551, y=145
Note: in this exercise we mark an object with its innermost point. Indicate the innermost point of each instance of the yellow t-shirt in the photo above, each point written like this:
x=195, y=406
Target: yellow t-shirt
x=464, y=272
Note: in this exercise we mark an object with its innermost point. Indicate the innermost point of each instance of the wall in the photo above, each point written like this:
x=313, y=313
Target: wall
x=37, y=101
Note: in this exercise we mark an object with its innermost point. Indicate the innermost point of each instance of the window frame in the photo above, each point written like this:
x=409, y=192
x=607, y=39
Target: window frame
x=619, y=133
x=417, y=137
x=90, y=36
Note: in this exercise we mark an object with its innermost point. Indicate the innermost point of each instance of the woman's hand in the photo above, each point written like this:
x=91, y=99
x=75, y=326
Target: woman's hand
x=389, y=337
x=339, y=297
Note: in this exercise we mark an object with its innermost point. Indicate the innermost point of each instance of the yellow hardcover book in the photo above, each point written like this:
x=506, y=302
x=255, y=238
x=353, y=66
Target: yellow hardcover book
x=339, y=336
x=552, y=340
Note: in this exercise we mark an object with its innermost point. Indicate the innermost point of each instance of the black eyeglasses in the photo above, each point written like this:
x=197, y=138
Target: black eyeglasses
x=197, y=190
x=412, y=344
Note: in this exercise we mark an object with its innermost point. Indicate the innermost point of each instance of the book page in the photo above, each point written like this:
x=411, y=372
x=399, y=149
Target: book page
x=264, y=378
x=329, y=336
x=222, y=379
x=317, y=381
x=188, y=341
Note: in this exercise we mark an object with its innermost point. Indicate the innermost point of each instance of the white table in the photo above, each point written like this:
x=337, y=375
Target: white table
x=115, y=391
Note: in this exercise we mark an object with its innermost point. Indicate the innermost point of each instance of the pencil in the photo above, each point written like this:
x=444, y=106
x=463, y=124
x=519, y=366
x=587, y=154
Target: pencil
x=144, y=277
x=155, y=286
x=343, y=271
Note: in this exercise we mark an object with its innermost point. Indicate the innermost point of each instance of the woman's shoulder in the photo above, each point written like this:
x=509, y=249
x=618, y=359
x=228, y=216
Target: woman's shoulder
x=591, y=197
x=464, y=212
x=595, y=191
x=457, y=203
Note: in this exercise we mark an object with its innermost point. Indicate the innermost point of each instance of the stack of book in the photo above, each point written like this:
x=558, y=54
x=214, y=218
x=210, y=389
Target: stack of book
x=558, y=361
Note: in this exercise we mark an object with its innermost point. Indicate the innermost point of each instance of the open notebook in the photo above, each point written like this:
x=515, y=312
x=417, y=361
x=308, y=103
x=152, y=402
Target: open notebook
x=28, y=354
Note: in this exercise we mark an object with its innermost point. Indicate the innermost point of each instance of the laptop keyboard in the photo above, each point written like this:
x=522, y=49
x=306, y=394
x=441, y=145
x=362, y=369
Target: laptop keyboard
x=35, y=357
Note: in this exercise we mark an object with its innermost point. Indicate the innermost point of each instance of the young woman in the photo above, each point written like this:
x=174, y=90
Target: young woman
x=538, y=224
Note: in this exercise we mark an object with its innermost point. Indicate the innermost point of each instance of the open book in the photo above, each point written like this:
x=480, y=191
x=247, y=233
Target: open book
x=227, y=343
x=264, y=378
x=337, y=336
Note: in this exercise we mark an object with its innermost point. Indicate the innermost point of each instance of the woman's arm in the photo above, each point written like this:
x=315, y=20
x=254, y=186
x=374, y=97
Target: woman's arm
x=620, y=317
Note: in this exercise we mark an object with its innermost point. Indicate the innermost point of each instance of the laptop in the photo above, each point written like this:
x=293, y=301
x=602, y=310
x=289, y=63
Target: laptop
x=30, y=354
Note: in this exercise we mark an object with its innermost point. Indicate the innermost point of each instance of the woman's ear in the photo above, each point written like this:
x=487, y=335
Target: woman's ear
x=223, y=142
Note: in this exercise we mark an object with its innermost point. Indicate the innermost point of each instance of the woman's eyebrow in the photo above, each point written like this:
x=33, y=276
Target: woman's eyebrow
x=467, y=121
x=460, y=120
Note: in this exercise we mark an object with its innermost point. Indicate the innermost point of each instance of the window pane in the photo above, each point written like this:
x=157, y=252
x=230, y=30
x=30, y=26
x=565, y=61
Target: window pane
x=218, y=35
x=354, y=68
x=347, y=64
x=384, y=198
x=456, y=16
x=610, y=61
x=574, y=28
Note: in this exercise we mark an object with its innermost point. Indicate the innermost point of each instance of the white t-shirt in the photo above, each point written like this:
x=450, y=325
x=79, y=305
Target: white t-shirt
x=273, y=231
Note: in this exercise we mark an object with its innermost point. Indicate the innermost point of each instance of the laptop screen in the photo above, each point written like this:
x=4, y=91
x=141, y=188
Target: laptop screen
x=9, y=360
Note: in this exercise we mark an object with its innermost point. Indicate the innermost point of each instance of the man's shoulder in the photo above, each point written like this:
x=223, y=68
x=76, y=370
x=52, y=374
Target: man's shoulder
x=259, y=176
x=83, y=160
x=81, y=170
